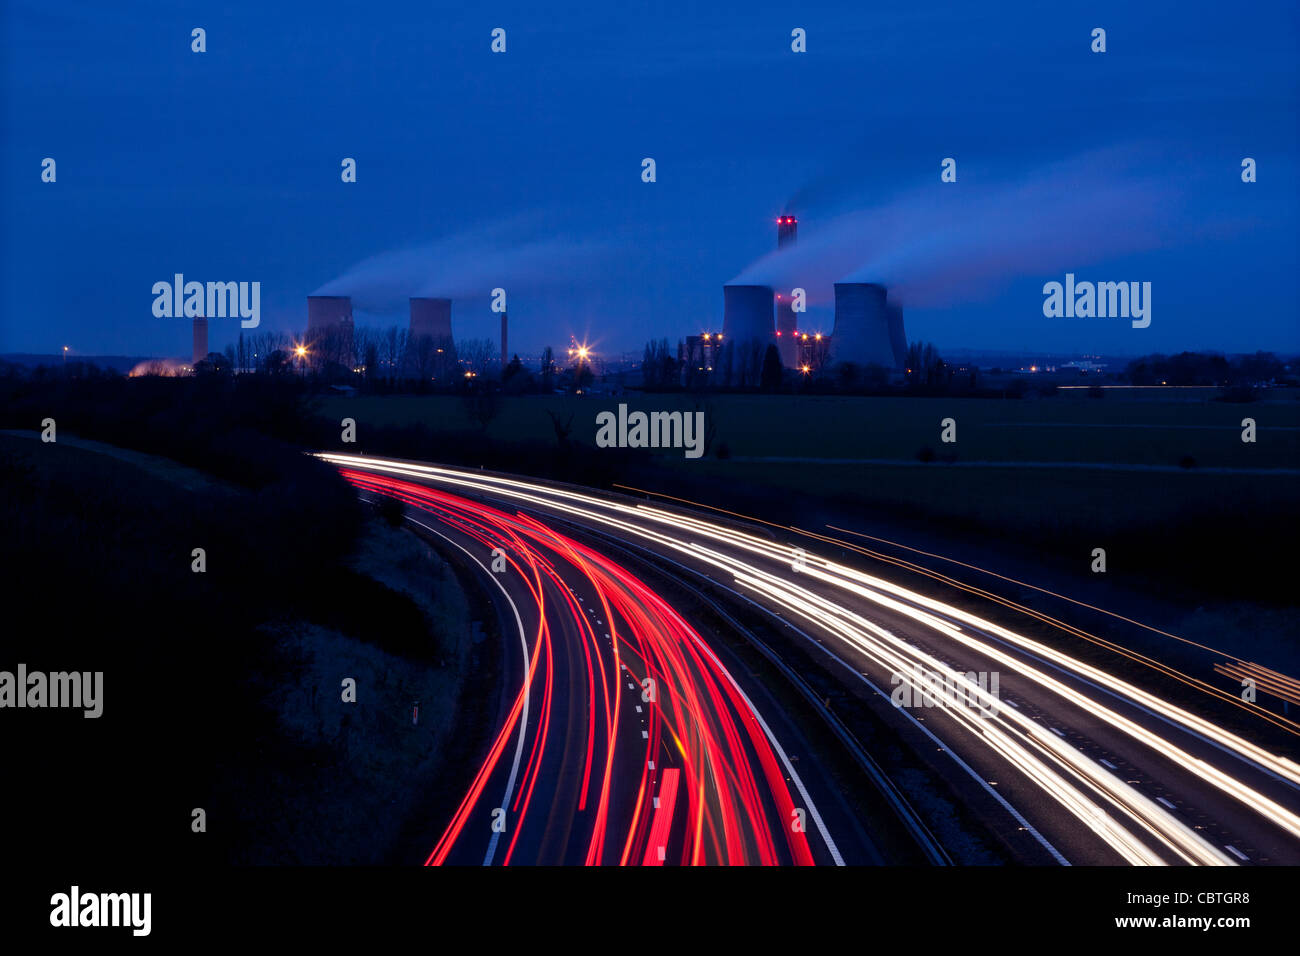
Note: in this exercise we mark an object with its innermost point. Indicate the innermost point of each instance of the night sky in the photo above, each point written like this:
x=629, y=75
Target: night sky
x=523, y=169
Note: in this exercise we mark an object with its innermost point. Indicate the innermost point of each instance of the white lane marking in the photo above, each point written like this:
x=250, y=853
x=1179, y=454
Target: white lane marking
x=638, y=708
x=1107, y=763
x=1012, y=703
x=1058, y=732
x=1239, y=854
x=523, y=717
x=650, y=764
x=645, y=735
x=656, y=799
x=1167, y=803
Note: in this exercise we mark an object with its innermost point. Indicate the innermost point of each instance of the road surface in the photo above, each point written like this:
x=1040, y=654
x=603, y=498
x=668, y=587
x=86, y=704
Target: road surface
x=1065, y=760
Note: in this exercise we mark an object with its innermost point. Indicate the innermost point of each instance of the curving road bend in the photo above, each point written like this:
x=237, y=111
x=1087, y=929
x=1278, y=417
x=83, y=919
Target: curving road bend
x=1068, y=761
x=627, y=740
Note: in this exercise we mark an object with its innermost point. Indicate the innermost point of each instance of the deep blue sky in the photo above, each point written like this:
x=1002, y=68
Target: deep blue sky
x=225, y=165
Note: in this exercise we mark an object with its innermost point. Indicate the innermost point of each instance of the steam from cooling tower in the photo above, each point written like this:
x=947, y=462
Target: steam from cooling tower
x=517, y=254
x=942, y=243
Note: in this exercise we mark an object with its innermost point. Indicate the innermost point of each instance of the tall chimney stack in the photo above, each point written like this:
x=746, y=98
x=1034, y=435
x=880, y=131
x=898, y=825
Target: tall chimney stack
x=200, y=339
x=787, y=325
x=787, y=228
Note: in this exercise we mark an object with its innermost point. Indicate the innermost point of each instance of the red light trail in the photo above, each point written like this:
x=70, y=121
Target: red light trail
x=706, y=785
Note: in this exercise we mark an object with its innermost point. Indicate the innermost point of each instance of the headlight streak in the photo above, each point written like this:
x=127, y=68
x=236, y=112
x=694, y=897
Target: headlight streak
x=1279, y=685
x=879, y=646
x=825, y=613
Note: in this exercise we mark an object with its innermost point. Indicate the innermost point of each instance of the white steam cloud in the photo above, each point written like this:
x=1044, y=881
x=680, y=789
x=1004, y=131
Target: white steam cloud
x=508, y=255
x=947, y=243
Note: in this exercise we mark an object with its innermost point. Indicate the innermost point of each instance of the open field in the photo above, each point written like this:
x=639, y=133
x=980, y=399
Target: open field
x=1054, y=477
x=1058, y=429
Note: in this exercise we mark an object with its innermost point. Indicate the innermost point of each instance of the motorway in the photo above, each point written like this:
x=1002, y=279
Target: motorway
x=631, y=738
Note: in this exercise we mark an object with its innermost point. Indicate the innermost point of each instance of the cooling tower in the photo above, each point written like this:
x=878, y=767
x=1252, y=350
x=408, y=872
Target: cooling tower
x=861, y=334
x=897, y=337
x=431, y=321
x=747, y=314
x=431, y=317
x=327, y=312
x=200, y=340
x=329, y=330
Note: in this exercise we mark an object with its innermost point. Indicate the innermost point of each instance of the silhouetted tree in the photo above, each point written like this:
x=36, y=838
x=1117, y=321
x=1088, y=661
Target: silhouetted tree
x=562, y=428
x=482, y=404
x=548, y=368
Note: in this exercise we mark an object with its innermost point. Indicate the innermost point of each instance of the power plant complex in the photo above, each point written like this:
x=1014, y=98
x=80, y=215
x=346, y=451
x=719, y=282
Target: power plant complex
x=430, y=345
x=867, y=332
x=868, y=329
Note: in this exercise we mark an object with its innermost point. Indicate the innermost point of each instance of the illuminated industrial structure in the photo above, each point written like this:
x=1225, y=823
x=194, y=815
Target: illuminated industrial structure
x=698, y=356
x=787, y=325
x=787, y=229
x=813, y=352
